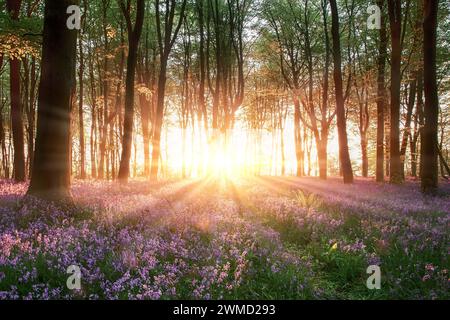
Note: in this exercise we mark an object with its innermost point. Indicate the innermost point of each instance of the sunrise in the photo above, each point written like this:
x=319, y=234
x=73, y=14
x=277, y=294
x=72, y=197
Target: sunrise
x=247, y=151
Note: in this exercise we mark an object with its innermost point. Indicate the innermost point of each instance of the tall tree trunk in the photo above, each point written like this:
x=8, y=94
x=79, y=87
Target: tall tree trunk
x=13, y=8
x=51, y=170
x=381, y=96
x=81, y=115
x=166, y=41
x=17, y=121
x=145, y=103
x=429, y=172
x=344, y=155
x=365, y=159
x=104, y=126
x=418, y=124
x=407, y=130
x=387, y=141
x=4, y=153
x=156, y=143
x=322, y=156
x=298, y=136
x=31, y=114
x=364, y=122
x=145, y=120
x=92, y=144
x=134, y=34
x=322, y=146
x=202, y=61
x=395, y=18
x=281, y=126
x=93, y=95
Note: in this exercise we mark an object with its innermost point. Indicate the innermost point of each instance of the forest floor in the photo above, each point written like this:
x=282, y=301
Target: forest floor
x=259, y=238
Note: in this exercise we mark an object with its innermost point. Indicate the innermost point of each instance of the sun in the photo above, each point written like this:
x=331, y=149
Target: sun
x=224, y=160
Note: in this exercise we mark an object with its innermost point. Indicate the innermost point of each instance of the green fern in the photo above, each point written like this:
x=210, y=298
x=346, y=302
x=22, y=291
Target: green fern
x=307, y=200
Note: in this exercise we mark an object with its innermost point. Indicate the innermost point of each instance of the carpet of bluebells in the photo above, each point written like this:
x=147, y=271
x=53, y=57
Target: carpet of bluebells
x=261, y=238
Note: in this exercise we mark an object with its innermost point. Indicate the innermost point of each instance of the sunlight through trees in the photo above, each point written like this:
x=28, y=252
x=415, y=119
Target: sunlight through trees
x=190, y=88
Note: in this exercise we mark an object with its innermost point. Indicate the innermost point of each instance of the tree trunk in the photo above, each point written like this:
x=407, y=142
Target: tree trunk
x=326, y=119
x=283, y=154
x=5, y=164
x=17, y=121
x=429, y=152
x=407, y=130
x=298, y=137
x=156, y=143
x=31, y=113
x=81, y=115
x=365, y=159
x=103, y=128
x=381, y=99
x=344, y=155
x=145, y=119
x=134, y=34
x=418, y=123
x=51, y=170
x=322, y=156
x=202, y=62
x=93, y=95
x=166, y=41
x=395, y=18
x=13, y=8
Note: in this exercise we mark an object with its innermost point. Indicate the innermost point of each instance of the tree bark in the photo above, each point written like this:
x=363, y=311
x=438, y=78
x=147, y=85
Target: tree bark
x=134, y=34
x=322, y=156
x=381, y=98
x=146, y=73
x=395, y=18
x=13, y=8
x=81, y=115
x=344, y=155
x=103, y=128
x=51, y=170
x=418, y=124
x=31, y=113
x=299, y=153
x=407, y=130
x=166, y=41
x=365, y=159
x=202, y=62
x=429, y=172
x=156, y=143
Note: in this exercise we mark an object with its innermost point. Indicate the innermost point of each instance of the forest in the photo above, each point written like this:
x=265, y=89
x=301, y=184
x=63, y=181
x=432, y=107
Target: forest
x=224, y=149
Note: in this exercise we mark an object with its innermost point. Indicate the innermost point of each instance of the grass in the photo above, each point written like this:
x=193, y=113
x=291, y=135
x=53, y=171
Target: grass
x=295, y=245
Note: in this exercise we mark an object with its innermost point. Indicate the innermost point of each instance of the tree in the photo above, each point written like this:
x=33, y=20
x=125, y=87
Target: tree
x=260, y=70
x=13, y=8
x=381, y=96
x=409, y=111
x=134, y=34
x=344, y=155
x=51, y=169
x=320, y=135
x=147, y=74
x=418, y=124
x=429, y=151
x=395, y=19
x=283, y=19
x=202, y=63
x=81, y=105
x=166, y=35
